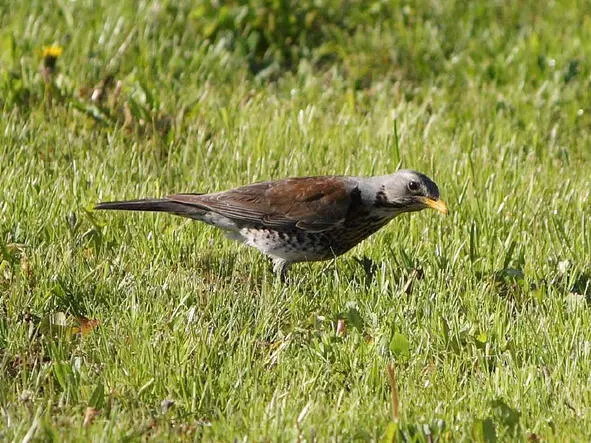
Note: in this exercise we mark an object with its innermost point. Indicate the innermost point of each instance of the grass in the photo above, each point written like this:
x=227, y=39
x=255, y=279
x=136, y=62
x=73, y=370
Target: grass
x=485, y=315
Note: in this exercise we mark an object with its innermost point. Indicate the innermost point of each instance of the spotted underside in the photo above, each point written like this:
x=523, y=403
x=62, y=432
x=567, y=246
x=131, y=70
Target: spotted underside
x=298, y=246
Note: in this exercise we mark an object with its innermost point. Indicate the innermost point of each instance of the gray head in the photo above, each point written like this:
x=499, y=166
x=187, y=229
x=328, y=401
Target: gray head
x=407, y=191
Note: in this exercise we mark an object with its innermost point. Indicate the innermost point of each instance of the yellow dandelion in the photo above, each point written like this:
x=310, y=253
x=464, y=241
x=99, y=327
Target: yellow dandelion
x=50, y=55
x=52, y=52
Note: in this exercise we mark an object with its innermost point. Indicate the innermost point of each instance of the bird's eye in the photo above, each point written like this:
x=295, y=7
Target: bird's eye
x=413, y=186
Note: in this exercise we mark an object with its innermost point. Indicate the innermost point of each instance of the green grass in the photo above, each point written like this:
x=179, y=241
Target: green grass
x=484, y=314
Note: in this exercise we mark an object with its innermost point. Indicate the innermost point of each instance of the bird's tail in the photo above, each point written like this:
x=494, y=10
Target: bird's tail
x=153, y=205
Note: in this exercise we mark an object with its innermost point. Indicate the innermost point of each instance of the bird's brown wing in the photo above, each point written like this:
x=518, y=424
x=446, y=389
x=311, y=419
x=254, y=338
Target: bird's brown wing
x=311, y=204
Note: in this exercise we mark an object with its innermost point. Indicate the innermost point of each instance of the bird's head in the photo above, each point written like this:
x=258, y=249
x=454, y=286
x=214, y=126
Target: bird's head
x=407, y=191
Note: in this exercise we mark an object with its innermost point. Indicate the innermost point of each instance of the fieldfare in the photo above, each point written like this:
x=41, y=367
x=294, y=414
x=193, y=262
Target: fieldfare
x=304, y=218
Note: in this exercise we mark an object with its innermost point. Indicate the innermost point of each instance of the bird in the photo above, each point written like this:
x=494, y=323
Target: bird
x=301, y=219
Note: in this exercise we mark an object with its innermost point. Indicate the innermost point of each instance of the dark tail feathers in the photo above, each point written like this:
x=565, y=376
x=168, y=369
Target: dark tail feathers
x=152, y=205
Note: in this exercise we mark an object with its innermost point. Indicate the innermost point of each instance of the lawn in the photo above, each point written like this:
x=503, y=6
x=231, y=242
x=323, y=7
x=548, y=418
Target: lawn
x=131, y=326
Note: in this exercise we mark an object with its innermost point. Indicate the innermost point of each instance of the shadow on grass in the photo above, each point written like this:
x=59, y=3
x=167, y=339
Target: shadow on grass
x=582, y=286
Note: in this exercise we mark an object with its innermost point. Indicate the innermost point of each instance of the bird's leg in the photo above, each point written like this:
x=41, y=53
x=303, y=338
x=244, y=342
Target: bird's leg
x=280, y=267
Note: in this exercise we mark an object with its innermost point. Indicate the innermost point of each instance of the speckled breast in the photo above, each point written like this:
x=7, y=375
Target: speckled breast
x=297, y=245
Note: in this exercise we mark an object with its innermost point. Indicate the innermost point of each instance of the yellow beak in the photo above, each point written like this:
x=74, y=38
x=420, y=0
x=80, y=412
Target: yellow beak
x=438, y=205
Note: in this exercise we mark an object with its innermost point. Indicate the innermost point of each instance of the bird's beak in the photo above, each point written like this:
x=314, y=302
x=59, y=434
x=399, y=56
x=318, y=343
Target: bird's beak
x=438, y=205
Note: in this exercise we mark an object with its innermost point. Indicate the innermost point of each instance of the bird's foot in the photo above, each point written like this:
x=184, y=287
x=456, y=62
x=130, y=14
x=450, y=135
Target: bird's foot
x=280, y=268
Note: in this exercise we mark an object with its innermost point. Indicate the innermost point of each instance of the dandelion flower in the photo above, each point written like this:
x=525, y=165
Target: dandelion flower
x=50, y=55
